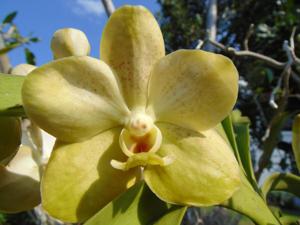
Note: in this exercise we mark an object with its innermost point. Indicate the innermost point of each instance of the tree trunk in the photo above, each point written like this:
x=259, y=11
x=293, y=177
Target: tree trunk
x=109, y=7
x=211, y=23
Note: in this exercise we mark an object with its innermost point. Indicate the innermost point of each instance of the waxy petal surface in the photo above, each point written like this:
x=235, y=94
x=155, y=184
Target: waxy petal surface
x=19, y=183
x=22, y=69
x=131, y=44
x=79, y=179
x=204, y=171
x=10, y=138
x=73, y=98
x=193, y=89
x=69, y=42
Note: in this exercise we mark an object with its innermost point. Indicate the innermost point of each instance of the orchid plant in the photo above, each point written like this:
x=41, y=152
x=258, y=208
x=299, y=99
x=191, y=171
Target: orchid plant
x=137, y=116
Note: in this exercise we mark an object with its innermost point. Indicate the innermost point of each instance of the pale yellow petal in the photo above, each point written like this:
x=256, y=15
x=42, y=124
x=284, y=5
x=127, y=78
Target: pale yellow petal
x=22, y=69
x=19, y=183
x=73, y=98
x=203, y=172
x=69, y=42
x=193, y=89
x=79, y=179
x=131, y=44
x=10, y=138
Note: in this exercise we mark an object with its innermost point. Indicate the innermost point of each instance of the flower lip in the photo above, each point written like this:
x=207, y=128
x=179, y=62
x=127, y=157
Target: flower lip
x=132, y=145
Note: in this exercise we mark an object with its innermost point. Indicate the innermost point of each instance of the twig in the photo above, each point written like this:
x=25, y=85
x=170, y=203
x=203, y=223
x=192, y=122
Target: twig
x=295, y=96
x=247, y=53
x=270, y=141
x=248, y=35
x=260, y=110
x=199, y=44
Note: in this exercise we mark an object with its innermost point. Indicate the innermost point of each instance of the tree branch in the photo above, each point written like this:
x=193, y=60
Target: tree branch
x=247, y=53
x=211, y=23
x=109, y=7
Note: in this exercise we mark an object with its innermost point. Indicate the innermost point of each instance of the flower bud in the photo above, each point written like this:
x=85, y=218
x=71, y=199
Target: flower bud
x=69, y=42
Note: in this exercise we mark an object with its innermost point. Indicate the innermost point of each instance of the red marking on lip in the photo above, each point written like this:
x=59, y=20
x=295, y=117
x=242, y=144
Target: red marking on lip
x=142, y=143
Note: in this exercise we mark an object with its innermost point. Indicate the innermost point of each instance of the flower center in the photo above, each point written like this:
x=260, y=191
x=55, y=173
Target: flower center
x=139, y=124
x=140, y=140
x=140, y=135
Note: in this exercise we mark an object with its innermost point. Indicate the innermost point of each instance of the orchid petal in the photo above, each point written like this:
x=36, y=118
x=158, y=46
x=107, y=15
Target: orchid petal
x=131, y=44
x=79, y=179
x=203, y=172
x=22, y=69
x=192, y=88
x=69, y=42
x=19, y=183
x=74, y=98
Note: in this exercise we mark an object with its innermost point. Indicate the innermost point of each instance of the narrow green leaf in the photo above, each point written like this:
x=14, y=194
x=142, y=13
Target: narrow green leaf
x=246, y=200
x=10, y=17
x=282, y=182
x=296, y=140
x=174, y=216
x=138, y=206
x=290, y=220
x=241, y=128
x=249, y=203
x=10, y=95
x=228, y=128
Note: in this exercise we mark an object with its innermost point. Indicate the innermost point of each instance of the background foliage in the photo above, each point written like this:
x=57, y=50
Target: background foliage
x=183, y=24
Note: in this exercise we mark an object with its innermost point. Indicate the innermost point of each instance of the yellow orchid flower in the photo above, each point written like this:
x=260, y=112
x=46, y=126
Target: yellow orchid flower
x=134, y=114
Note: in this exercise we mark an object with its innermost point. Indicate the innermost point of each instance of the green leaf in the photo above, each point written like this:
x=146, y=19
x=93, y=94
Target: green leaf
x=271, y=141
x=296, y=140
x=10, y=95
x=249, y=203
x=34, y=39
x=9, y=48
x=138, y=206
x=30, y=57
x=228, y=128
x=246, y=200
x=241, y=127
x=290, y=220
x=10, y=17
x=282, y=182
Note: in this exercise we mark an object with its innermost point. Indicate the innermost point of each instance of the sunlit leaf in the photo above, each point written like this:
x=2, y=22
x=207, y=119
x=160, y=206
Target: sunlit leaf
x=138, y=206
x=249, y=203
x=9, y=48
x=10, y=94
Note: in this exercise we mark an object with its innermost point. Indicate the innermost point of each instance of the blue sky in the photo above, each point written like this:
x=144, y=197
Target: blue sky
x=42, y=18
